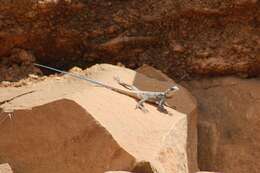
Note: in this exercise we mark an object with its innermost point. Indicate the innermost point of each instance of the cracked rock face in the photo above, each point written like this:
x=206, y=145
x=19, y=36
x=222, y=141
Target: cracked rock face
x=66, y=125
x=228, y=124
x=201, y=38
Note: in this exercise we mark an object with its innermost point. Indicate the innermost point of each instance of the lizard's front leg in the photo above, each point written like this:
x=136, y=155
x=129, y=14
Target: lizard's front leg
x=161, y=104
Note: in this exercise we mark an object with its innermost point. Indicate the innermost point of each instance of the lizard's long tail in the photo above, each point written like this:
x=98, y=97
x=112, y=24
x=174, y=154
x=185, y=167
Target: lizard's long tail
x=74, y=75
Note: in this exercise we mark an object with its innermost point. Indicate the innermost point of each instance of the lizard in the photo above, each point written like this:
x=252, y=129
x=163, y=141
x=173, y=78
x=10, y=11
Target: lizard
x=158, y=98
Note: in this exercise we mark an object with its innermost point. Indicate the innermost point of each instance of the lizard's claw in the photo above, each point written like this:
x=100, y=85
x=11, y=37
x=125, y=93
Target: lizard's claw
x=142, y=108
x=162, y=109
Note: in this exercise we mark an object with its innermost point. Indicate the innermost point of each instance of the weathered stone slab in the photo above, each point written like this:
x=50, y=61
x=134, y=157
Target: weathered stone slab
x=5, y=168
x=66, y=125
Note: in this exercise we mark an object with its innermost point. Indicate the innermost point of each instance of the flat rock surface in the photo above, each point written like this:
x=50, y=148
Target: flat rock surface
x=62, y=124
x=5, y=168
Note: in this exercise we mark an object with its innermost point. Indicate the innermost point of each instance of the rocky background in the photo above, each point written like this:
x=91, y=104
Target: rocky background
x=199, y=44
x=181, y=38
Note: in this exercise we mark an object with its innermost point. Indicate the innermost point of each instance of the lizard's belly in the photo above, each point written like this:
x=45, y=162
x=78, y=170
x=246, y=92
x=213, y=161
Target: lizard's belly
x=149, y=97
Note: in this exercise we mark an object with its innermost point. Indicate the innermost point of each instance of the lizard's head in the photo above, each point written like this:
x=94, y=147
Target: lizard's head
x=169, y=92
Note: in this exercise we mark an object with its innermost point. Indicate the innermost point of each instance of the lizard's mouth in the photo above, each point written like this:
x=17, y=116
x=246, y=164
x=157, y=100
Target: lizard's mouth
x=169, y=93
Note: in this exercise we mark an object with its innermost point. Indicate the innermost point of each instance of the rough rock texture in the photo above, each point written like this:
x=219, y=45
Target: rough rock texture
x=229, y=124
x=196, y=37
x=61, y=124
x=5, y=168
x=17, y=66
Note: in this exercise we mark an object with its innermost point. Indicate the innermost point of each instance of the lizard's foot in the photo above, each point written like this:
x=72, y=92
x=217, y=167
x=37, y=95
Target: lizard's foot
x=163, y=110
x=142, y=108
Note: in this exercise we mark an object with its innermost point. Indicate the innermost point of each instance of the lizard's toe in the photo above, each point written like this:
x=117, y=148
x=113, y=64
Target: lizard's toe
x=142, y=108
x=162, y=109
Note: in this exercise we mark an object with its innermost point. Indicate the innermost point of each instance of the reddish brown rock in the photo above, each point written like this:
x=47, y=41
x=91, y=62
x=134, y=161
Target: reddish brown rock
x=176, y=47
x=174, y=36
x=17, y=66
x=228, y=124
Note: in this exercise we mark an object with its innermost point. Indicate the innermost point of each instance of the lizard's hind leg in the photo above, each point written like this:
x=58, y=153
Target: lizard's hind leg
x=140, y=105
x=130, y=87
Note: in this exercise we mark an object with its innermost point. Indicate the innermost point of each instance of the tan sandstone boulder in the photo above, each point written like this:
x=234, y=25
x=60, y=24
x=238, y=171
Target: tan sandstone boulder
x=229, y=124
x=5, y=168
x=66, y=125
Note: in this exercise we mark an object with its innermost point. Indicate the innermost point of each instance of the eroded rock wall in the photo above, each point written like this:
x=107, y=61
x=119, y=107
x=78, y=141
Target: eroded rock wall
x=177, y=37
